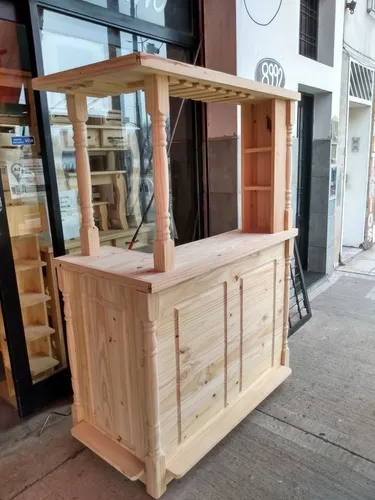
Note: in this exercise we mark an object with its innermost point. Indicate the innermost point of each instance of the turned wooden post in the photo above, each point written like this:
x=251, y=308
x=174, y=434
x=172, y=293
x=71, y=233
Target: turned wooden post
x=65, y=287
x=288, y=224
x=77, y=113
x=157, y=105
x=155, y=458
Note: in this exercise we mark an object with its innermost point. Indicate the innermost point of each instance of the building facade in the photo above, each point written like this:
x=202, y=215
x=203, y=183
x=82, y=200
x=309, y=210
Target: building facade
x=356, y=177
x=299, y=45
x=325, y=50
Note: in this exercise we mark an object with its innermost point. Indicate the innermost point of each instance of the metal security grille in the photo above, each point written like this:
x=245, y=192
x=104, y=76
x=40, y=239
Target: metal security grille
x=308, y=29
x=361, y=81
x=299, y=305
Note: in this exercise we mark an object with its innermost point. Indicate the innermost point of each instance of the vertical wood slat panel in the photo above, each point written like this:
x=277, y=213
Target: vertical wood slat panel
x=180, y=307
x=258, y=322
x=201, y=358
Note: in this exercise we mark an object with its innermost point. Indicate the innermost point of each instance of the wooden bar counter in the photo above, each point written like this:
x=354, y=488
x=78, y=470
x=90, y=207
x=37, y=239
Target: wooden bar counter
x=170, y=351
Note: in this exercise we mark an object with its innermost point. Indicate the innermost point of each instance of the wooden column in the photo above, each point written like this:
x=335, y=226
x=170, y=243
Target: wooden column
x=65, y=287
x=89, y=235
x=157, y=105
x=288, y=223
x=155, y=458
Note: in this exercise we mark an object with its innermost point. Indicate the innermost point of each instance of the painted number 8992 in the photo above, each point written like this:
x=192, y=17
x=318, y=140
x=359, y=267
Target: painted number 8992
x=270, y=72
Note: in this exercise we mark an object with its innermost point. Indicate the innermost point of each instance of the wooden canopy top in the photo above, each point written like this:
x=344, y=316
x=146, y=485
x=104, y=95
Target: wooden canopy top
x=126, y=74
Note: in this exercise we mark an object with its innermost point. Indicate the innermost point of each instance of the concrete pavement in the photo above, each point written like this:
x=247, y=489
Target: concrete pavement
x=364, y=263
x=313, y=439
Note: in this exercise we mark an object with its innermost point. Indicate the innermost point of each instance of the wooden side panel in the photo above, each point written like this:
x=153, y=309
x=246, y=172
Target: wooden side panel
x=279, y=166
x=201, y=326
x=113, y=361
x=259, y=290
x=211, y=330
x=233, y=340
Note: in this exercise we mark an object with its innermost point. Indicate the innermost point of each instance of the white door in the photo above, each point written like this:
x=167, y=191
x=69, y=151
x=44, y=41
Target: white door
x=356, y=175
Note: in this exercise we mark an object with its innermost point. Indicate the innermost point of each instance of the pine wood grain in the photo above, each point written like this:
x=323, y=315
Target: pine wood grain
x=128, y=73
x=78, y=114
x=220, y=425
x=112, y=453
x=157, y=106
x=193, y=259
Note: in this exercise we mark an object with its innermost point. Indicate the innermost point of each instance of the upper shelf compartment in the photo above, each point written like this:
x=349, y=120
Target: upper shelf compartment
x=257, y=129
x=264, y=166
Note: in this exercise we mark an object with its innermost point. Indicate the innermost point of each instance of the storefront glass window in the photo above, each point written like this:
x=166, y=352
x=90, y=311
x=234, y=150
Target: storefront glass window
x=119, y=141
x=175, y=14
x=24, y=190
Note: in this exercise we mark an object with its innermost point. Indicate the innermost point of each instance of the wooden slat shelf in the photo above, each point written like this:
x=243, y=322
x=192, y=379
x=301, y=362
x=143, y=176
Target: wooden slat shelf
x=257, y=188
x=126, y=74
x=35, y=332
x=258, y=150
x=40, y=363
x=29, y=299
x=26, y=264
x=99, y=172
x=105, y=150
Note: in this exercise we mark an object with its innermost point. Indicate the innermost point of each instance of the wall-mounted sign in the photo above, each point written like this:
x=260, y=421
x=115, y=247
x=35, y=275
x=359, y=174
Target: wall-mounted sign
x=26, y=178
x=355, y=144
x=22, y=140
x=157, y=5
x=70, y=215
x=271, y=72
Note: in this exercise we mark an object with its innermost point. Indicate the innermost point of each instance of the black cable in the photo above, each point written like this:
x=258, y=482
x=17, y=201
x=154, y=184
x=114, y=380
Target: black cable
x=263, y=24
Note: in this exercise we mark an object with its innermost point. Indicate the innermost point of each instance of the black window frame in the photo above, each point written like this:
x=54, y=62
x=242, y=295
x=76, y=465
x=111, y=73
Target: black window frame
x=309, y=29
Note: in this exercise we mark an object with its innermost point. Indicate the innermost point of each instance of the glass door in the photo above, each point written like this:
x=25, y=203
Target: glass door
x=33, y=363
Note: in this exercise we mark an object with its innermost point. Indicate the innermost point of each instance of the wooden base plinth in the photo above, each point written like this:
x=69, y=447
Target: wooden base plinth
x=108, y=450
x=163, y=255
x=154, y=472
x=90, y=243
x=156, y=477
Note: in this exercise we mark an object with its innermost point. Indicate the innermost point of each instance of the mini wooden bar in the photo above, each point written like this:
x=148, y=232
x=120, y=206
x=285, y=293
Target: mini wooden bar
x=169, y=352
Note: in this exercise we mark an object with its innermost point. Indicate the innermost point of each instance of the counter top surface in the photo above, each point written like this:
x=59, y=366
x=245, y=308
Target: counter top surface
x=193, y=259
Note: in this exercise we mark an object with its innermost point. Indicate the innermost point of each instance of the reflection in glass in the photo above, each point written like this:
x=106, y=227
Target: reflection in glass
x=119, y=141
x=175, y=14
x=24, y=189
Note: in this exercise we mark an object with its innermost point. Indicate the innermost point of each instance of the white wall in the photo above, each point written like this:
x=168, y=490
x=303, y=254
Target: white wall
x=359, y=34
x=356, y=177
x=358, y=44
x=280, y=40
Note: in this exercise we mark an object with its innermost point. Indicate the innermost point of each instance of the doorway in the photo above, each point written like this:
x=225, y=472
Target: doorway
x=356, y=177
x=305, y=123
